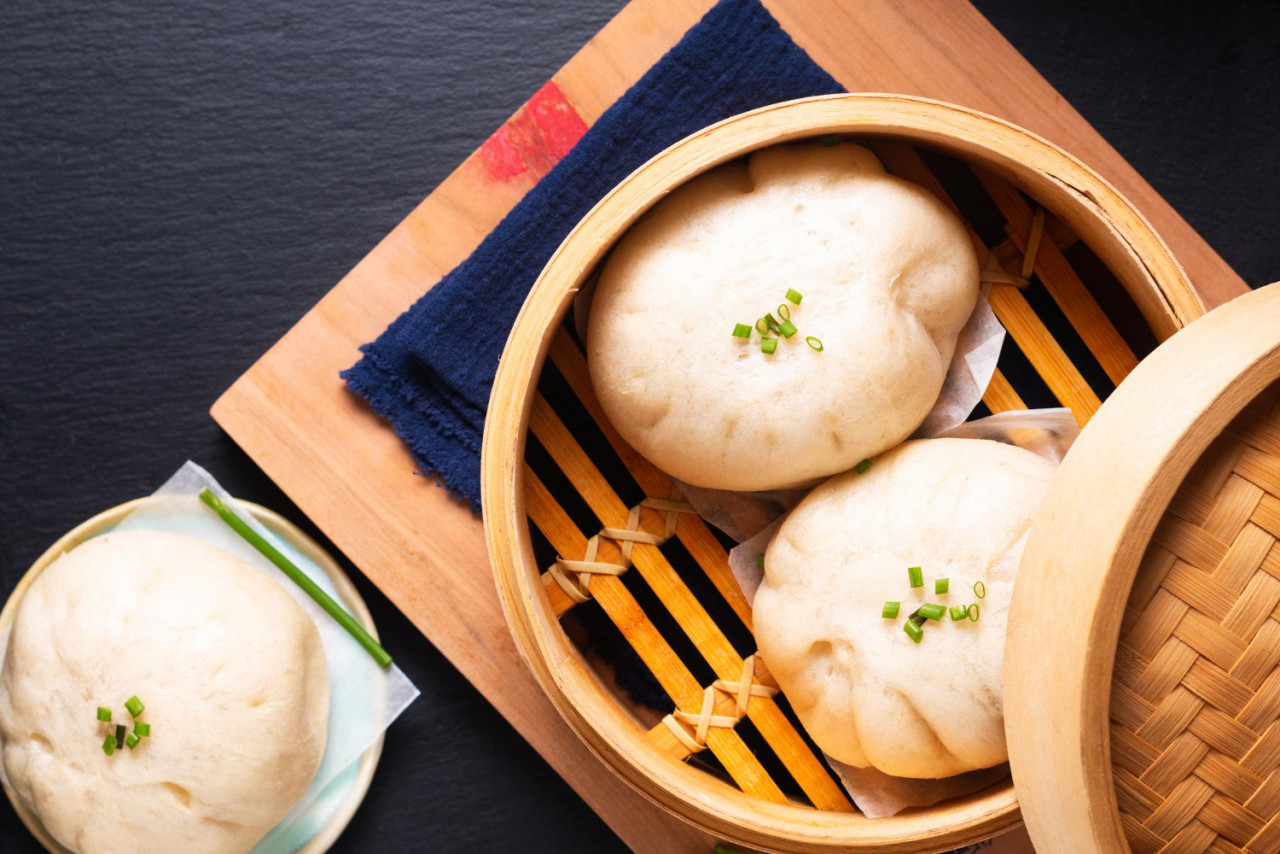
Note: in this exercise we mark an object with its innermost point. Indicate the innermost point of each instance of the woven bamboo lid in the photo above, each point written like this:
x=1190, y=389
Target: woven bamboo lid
x=1142, y=693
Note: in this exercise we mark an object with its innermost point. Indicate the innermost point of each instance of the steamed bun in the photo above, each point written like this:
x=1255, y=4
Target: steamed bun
x=888, y=278
x=230, y=669
x=866, y=693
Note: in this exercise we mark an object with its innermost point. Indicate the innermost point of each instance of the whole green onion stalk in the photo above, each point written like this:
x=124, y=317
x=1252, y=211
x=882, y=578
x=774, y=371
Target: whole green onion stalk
x=300, y=578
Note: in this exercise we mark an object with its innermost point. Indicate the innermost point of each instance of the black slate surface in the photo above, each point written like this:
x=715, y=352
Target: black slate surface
x=180, y=181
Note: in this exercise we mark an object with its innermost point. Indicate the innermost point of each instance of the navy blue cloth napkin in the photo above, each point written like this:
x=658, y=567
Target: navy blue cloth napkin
x=432, y=384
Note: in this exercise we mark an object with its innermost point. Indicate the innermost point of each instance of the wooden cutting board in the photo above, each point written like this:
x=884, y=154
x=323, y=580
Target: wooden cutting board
x=350, y=474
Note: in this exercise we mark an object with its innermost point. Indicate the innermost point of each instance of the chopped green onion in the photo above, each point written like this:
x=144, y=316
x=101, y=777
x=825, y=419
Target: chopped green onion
x=109, y=745
x=768, y=345
x=760, y=561
x=814, y=343
x=131, y=740
x=979, y=589
x=890, y=610
x=134, y=705
x=762, y=326
x=741, y=330
x=830, y=140
x=783, y=311
x=913, y=630
x=299, y=577
x=794, y=296
x=787, y=329
x=862, y=467
x=932, y=611
x=914, y=573
x=973, y=612
x=120, y=729
x=142, y=729
x=104, y=714
x=958, y=613
x=941, y=586
x=772, y=321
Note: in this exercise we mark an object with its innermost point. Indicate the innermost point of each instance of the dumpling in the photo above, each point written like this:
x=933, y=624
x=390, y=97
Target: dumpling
x=887, y=276
x=866, y=692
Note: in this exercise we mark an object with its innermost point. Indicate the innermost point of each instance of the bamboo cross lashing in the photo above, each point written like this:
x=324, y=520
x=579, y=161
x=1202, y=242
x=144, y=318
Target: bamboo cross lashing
x=705, y=718
x=574, y=576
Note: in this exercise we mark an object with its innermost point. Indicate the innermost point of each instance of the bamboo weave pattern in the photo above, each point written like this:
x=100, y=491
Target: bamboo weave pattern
x=1195, y=705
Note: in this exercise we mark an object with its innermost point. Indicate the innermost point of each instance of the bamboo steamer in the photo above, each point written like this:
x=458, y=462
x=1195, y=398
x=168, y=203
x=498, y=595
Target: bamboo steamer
x=1050, y=207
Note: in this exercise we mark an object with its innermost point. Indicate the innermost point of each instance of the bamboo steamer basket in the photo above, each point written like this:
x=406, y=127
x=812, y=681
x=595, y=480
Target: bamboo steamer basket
x=1078, y=278
x=344, y=809
x=1152, y=722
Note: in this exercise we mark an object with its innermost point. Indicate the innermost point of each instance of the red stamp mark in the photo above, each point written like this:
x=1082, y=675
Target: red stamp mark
x=535, y=138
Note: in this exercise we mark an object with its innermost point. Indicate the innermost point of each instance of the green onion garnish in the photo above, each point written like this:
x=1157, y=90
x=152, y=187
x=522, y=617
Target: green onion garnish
x=890, y=610
x=814, y=343
x=787, y=329
x=104, y=714
x=131, y=740
x=772, y=321
x=741, y=330
x=109, y=745
x=979, y=589
x=760, y=561
x=932, y=611
x=134, y=705
x=762, y=326
x=941, y=586
x=958, y=613
x=973, y=612
x=861, y=468
x=783, y=311
x=142, y=729
x=120, y=729
x=299, y=577
x=913, y=630
x=830, y=140
x=768, y=345
x=914, y=573
x=794, y=296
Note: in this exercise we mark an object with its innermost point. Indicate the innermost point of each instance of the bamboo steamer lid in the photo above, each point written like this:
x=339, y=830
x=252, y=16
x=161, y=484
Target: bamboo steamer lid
x=1142, y=693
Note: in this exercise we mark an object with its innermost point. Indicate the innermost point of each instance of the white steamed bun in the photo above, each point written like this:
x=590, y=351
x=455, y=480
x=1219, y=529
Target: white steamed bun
x=866, y=693
x=230, y=669
x=888, y=278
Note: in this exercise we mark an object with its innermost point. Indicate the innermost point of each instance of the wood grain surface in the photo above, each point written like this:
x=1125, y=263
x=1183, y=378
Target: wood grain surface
x=350, y=474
